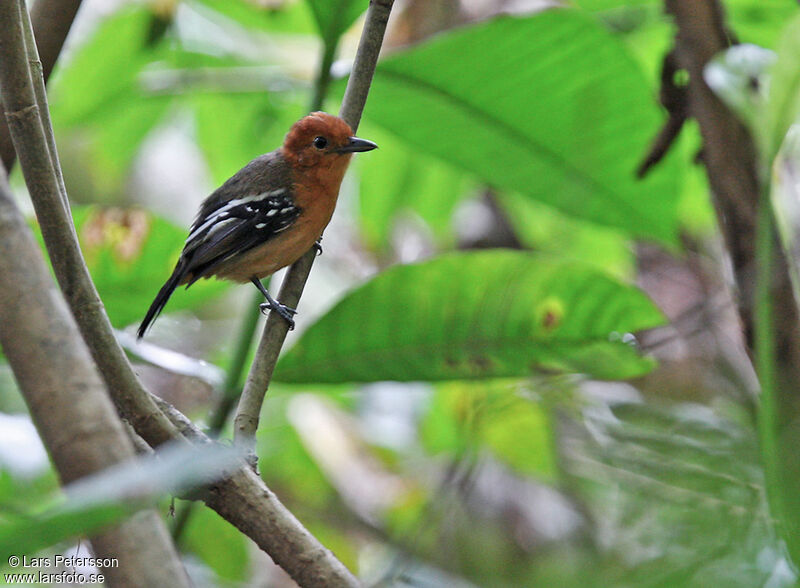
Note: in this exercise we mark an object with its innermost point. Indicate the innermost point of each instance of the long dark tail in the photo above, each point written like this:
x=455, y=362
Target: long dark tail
x=163, y=295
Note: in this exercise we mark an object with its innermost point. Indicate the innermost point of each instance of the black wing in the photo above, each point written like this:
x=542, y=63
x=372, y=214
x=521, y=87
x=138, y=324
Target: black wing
x=250, y=208
x=236, y=227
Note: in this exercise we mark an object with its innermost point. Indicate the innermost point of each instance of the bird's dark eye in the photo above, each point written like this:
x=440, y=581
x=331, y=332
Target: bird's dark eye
x=320, y=142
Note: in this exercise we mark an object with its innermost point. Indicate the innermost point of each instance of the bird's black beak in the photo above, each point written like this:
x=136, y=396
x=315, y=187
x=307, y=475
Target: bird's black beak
x=356, y=145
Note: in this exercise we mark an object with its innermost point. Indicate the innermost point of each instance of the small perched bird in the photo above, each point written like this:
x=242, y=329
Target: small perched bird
x=269, y=213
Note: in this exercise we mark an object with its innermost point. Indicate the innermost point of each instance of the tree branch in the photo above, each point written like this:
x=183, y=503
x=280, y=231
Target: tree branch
x=67, y=399
x=42, y=178
x=740, y=195
x=52, y=20
x=245, y=501
x=355, y=97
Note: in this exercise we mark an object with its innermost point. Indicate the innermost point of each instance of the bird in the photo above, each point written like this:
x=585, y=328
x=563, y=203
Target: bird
x=268, y=214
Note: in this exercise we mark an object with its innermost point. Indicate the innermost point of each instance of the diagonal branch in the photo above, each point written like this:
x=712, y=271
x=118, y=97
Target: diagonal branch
x=68, y=401
x=355, y=97
x=245, y=501
x=32, y=141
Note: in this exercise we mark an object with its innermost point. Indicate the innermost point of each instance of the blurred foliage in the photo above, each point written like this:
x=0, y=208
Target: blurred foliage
x=100, y=93
x=501, y=474
x=334, y=17
x=467, y=417
x=218, y=544
x=129, y=252
x=102, y=499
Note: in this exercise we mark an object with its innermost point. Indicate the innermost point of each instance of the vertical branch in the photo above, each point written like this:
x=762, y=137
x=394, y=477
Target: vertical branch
x=369, y=49
x=768, y=313
x=52, y=20
x=40, y=94
x=31, y=142
x=68, y=401
x=355, y=97
x=323, y=80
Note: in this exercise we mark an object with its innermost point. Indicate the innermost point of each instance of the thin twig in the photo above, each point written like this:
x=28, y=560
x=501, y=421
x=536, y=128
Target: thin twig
x=31, y=141
x=355, y=97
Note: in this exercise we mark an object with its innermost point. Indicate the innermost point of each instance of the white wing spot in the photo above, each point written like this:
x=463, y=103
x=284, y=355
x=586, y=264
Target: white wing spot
x=261, y=225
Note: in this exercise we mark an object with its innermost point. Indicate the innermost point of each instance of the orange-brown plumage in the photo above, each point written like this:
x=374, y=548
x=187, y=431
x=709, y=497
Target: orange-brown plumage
x=268, y=214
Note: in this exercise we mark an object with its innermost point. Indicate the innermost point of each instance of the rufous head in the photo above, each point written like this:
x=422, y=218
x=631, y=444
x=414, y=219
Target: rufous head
x=321, y=139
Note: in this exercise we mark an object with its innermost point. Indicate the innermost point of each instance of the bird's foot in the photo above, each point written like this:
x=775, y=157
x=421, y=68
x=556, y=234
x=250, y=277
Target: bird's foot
x=318, y=246
x=283, y=311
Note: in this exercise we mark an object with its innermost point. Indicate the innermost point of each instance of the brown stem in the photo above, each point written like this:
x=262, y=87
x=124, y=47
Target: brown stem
x=42, y=176
x=245, y=501
x=52, y=20
x=729, y=155
x=68, y=400
x=355, y=97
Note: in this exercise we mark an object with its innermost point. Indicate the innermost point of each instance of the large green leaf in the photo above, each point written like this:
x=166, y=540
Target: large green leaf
x=550, y=105
x=334, y=17
x=476, y=315
x=288, y=17
x=397, y=181
x=98, y=89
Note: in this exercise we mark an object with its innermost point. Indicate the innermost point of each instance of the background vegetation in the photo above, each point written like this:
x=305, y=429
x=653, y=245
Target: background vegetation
x=451, y=410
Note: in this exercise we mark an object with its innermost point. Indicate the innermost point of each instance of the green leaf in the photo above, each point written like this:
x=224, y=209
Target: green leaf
x=130, y=253
x=288, y=17
x=542, y=228
x=218, y=544
x=783, y=100
x=550, y=105
x=99, y=90
x=395, y=180
x=476, y=315
x=108, y=496
x=334, y=17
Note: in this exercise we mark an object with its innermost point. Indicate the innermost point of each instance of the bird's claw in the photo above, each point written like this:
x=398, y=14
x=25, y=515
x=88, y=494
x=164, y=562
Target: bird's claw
x=318, y=246
x=283, y=311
